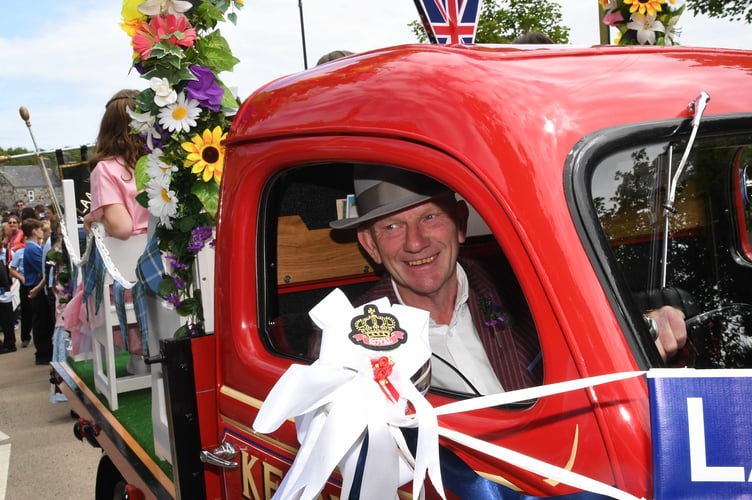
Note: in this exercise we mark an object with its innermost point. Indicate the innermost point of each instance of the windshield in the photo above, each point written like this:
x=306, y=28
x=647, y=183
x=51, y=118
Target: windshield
x=694, y=252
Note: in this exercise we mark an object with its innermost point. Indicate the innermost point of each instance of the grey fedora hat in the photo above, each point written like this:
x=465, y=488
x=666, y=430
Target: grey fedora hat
x=381, y=190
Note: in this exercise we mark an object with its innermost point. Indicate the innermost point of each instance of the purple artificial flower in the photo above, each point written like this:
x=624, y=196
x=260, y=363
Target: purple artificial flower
x=199, y=235
x=174, y=300
x=205, y=88
x=174, y=262
x=493, y=313
x=140, y=68
x=179, y=283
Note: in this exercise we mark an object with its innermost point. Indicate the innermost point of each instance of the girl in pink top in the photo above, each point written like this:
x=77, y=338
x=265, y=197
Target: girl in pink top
x=112, y=178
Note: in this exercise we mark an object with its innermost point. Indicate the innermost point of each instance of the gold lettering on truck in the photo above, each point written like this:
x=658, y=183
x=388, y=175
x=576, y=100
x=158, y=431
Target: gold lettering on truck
x=246, y=473
x=270, y=476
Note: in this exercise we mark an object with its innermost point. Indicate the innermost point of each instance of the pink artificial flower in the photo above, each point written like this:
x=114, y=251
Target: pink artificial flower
x=173, y=30
x=613, y=18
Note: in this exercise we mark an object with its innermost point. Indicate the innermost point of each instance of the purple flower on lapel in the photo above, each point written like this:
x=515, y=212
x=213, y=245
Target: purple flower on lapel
x=493, y=313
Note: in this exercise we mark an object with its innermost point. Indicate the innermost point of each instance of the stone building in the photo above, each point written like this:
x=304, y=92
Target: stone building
x=27, y=183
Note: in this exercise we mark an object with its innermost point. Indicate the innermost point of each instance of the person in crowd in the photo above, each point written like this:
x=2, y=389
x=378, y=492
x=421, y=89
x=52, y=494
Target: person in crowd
x=534, y=38
x=16, y=239
x=113, y=181
x=17, y=271
x=28, y=212
x=40, y=211
x=331, y=56
x=43, y=322
x=7, y=316
x=19, y=206
x=59, y=293
x=414, y=227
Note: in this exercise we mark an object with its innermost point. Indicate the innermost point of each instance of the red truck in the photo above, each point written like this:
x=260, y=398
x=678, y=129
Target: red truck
x=602, y=182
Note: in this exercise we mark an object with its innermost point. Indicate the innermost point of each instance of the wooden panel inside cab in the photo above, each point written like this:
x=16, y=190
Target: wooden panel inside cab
x=305, y=255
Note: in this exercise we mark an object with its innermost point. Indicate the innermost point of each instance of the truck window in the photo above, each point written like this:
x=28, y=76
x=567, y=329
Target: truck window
x=692, y=252
x=305, y=260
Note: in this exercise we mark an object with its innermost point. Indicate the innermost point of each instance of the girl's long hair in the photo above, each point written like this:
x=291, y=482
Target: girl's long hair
x=115, y=138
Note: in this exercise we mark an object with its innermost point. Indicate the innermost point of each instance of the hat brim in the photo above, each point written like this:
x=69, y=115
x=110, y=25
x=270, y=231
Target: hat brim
x=382, y=211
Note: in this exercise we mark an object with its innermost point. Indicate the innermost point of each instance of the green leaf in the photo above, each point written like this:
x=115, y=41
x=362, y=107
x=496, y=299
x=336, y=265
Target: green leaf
x=142, y=177
x=167, y=287
x=143, y=199
x=208, y=193
x=188, y=307
x=145, y=100
x=215, y=53
x=182, y=332
x=229, y=102
x=173, y=75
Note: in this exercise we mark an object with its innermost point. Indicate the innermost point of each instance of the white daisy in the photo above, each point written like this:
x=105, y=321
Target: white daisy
x=181, y=115
x=156, y=168
x=163, y=202
x=164, y=94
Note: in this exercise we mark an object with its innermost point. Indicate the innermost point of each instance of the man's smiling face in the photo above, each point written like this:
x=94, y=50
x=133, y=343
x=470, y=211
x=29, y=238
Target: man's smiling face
x=419, y=246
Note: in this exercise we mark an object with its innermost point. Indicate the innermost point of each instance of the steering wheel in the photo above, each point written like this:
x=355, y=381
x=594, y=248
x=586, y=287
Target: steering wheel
x=722, y=337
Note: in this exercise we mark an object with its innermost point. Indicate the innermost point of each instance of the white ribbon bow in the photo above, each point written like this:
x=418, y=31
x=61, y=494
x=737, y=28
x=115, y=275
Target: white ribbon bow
x=337, y=399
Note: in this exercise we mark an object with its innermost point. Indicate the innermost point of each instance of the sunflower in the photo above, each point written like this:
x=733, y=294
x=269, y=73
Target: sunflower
x=642, y=7
x=206, y=154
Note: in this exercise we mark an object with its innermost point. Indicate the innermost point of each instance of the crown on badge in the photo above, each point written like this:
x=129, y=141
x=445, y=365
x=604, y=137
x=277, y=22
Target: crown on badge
x=372, y=324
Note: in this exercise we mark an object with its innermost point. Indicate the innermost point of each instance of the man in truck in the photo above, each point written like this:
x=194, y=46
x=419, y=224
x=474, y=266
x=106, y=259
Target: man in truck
x=414, y=227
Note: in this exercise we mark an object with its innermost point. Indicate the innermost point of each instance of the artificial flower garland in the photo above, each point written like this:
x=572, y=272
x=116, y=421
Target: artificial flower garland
x=643, y=22
x=184, y=114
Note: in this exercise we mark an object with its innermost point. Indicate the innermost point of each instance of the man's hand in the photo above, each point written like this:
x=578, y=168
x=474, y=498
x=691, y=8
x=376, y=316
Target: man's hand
x=672, y=332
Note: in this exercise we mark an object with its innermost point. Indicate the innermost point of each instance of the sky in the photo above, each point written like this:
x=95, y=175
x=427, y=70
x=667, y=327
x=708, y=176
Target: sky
x=63, y=60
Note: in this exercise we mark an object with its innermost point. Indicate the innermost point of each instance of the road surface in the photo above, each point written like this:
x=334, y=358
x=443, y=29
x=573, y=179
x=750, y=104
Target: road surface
x=39, y=456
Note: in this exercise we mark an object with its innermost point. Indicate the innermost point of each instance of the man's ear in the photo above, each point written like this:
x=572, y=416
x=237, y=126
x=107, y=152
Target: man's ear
x=461, y=215
x=365, y=238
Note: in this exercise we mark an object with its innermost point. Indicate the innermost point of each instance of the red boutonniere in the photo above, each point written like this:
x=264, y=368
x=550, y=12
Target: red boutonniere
x=382, y=369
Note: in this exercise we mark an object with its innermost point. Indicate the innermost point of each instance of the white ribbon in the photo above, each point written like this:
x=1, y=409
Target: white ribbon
x=336, y=400
x=98, y=232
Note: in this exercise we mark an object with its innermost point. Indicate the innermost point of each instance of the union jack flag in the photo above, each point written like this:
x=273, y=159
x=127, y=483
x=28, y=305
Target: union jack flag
x=449, y=21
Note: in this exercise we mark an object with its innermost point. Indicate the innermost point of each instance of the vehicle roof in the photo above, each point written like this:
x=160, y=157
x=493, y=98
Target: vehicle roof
x=475, y=98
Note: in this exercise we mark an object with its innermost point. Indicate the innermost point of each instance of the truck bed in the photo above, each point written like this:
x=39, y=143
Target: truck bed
x=120, y=432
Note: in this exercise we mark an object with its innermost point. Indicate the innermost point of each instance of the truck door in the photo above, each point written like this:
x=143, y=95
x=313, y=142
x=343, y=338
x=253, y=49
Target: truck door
x=278, y=258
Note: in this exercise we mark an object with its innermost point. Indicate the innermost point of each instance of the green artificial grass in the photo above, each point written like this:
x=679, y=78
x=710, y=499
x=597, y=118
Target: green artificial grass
x=134, y=407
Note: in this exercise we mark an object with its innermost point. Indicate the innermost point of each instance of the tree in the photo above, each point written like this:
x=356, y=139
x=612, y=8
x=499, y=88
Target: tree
x=503, y=23
x=735, y=10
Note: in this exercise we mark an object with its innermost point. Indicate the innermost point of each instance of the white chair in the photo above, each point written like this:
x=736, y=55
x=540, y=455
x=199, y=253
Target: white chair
x=124, y=254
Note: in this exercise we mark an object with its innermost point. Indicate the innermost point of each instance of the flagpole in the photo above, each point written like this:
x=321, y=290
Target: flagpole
x=425, y=22
x=302, y=34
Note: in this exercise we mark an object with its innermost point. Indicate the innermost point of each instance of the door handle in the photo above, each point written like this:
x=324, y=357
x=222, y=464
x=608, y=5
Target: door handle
x=221, y=456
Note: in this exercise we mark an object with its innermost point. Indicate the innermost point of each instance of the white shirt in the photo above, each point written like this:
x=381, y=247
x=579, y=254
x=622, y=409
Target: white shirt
x=459, y=344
